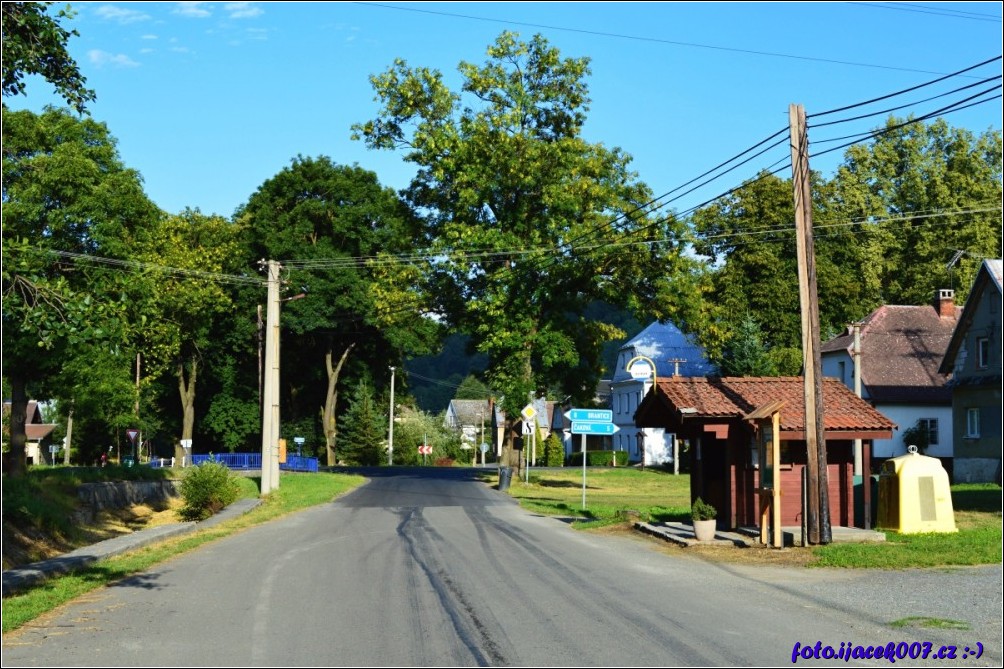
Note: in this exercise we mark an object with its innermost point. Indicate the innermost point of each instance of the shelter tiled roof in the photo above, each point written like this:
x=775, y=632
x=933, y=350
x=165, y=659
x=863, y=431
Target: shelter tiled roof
x=732, y=397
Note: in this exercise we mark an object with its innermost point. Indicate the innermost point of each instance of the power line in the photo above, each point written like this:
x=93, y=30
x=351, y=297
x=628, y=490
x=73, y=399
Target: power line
x=937, y=11
x=905, y=90
x=648, y=39
x=909, y=104
x=147, y=267
x=954, y=107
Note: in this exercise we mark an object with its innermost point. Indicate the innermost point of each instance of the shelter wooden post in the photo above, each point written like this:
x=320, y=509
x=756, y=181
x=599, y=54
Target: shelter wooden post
x=768, y=422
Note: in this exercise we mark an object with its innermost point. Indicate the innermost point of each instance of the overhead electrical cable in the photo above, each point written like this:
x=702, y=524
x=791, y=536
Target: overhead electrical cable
x=909, y=104
x=656, y=40
x=147, y=267
x=957, y=106
x=905, y=90
x=936, y=11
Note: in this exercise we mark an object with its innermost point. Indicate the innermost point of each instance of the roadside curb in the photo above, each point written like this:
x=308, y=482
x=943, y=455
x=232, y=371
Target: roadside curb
x=17, y=580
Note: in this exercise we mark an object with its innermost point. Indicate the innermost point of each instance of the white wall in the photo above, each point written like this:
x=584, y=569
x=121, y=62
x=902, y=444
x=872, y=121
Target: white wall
x=906, y=417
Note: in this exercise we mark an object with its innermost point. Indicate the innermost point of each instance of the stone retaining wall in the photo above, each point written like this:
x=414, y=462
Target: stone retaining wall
x=115, y=495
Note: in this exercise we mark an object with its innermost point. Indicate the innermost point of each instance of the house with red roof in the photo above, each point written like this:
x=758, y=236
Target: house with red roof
x=36, y=431
x=901, y=350
x=710, y=413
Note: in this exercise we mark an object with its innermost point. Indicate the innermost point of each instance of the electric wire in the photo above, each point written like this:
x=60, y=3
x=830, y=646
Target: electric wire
x=153, y=267
x=905, y=90
x=909, y=104
x=936, y=11
x=650, y=39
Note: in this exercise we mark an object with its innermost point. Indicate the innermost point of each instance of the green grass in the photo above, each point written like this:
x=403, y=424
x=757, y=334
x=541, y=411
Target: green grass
x=930, y=623
x=659, y=496
x=296, y=492
x=45, y=497
x=610, y=493
x=977, y=510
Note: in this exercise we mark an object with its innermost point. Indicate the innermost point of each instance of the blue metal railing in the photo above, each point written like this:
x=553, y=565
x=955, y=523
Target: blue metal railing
x=294, y=463
x=231, y=460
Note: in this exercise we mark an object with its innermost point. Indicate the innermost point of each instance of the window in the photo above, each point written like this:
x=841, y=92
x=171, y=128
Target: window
x=973, y=423
x=982, y=352
x=843, y=372
x=930, y=425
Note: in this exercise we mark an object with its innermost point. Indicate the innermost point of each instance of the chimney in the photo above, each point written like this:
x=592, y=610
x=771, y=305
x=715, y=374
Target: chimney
x=944, y=303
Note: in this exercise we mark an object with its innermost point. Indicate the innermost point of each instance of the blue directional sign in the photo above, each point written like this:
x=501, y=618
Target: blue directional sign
x=587, y=427
x=592, y=415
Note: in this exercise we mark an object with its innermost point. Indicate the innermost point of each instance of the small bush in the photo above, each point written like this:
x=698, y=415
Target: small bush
x=206, y=490
x=554, y=451
x=701, y=510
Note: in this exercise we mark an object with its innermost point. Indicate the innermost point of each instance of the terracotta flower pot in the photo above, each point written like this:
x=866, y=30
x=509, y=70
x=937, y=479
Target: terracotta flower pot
x=704, y=530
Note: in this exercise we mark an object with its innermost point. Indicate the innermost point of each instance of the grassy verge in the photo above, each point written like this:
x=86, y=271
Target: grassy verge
x=659, y=496
x=45, y=497
x=296, y=492
x=977, y=510
x=610, y=493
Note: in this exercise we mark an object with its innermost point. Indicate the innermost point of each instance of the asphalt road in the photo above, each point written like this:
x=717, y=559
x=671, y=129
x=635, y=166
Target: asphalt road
x=432, y=568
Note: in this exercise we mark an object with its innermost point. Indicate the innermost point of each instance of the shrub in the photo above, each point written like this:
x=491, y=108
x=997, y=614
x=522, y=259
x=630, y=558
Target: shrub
x=554, y=451
x=207, y=489
x=701, y=510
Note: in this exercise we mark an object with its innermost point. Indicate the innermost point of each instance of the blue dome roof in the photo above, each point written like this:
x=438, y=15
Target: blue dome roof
x=663, y=342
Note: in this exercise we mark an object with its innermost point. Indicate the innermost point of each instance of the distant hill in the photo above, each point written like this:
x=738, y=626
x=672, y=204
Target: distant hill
x=433, y=379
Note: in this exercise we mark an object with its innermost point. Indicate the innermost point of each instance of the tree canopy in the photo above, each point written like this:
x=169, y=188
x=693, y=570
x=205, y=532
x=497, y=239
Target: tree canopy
x=34, y=42
x=527, y=223
x=66, y=197
x=887, y=227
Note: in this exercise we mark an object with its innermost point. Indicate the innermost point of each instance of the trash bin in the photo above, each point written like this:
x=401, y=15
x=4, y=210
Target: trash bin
x=915, y=495
x=128, y=461
x=505, y=477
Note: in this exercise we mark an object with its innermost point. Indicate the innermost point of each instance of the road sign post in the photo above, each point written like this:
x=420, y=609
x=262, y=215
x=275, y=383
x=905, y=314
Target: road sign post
x=586, y=422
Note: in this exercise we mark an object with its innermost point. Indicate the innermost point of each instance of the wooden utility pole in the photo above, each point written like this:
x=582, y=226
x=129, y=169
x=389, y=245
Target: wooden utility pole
x=270, y=401
x=818, y=513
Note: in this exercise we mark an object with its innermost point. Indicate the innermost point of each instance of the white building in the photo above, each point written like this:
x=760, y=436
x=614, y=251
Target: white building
x=674, y=354
x=901, y=348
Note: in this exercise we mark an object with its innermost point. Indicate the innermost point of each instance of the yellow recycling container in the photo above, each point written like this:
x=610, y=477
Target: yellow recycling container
x=914, y=495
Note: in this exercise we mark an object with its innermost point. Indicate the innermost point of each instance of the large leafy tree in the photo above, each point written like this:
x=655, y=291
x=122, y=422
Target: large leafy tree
x=749, y=237
x=34, y=42
x=527, y=223
x=337, y=232
x=192, y=259
x=913, y=198
x=885, y=229
x=66, y=194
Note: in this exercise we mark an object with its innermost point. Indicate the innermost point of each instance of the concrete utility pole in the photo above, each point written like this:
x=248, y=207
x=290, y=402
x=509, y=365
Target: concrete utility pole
x=270, y=401
x=857, y=391
x=390, y=437
x=818, y=513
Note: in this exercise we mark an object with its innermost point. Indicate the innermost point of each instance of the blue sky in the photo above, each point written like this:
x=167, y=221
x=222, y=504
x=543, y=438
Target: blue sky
x=210, y=99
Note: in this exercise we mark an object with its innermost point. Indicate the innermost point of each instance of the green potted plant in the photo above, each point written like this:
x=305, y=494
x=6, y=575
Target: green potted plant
x=703, y=516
